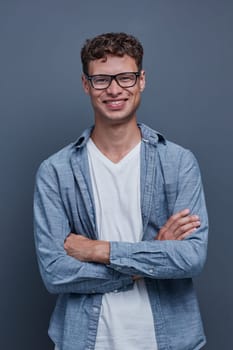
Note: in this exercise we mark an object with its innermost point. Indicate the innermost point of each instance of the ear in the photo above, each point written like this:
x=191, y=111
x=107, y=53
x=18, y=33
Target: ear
x=86, y=85
x=142, y=80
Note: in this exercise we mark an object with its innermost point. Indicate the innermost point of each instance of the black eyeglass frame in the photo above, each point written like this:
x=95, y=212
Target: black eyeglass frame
x=112, y=77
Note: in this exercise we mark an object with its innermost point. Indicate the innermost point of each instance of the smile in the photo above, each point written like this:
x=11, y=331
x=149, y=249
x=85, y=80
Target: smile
x=115, y=103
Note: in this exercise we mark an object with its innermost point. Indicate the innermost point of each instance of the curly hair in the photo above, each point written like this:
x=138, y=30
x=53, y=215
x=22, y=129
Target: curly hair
x=117, y=44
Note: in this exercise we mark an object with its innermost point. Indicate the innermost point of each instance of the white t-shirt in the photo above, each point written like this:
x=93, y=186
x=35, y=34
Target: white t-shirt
x=126, y=320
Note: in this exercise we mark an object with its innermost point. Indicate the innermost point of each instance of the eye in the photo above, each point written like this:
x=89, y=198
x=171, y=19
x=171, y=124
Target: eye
x=100, y=80
x=126, y=78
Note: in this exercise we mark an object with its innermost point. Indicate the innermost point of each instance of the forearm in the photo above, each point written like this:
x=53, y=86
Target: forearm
x=62, y=273
x=170, y=258
x=159, y=259
x=141, y=258
x=67, y=275
x=87, y=250
x=154, y=259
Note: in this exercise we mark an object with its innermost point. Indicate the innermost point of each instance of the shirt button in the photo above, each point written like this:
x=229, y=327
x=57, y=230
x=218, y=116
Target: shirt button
x=151, y=270
x=95, y=309
x=115, y=291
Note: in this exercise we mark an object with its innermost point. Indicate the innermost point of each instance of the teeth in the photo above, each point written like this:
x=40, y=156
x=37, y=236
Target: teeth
x=114, y=103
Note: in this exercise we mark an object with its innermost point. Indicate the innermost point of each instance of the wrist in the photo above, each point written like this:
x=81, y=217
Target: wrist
x=101, y=253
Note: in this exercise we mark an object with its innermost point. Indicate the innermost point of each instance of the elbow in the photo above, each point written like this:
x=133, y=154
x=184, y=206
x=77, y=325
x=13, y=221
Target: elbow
x=189, y=261
x=49, y=283
x=195, y=264
x=50, y=278
x=196, y=268
x=50, y=288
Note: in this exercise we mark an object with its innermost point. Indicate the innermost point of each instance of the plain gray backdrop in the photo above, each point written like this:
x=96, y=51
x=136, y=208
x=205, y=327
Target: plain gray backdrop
x=188, y=61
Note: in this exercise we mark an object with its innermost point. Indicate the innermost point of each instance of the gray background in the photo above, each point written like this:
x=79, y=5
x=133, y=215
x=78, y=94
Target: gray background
x=188, y=60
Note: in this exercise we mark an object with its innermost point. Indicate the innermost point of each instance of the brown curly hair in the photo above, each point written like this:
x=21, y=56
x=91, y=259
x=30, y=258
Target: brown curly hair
x=117, y=44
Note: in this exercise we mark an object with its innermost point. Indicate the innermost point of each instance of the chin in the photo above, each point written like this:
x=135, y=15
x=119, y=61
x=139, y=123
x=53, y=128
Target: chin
x=117, y=120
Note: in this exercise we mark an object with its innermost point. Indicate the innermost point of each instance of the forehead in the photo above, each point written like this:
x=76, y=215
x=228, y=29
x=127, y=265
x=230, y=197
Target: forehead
x=112, y=65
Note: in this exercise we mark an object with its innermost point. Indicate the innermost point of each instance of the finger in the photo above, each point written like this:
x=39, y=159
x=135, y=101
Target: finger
x=81, y=238
x=181, y=230
x=70, y=235
x=70, y=240
x=183, y=221
x=186, y=234
x=175, y=217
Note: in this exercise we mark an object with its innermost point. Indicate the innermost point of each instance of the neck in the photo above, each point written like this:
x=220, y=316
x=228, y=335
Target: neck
x=116, y=141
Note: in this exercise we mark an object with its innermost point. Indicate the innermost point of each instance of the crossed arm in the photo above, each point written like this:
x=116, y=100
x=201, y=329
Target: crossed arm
x=76, y=264
x=177, y=227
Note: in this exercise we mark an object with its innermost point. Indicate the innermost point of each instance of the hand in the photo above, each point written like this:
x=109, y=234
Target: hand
x=178, y=226
x=87, y=250
x=136, y=277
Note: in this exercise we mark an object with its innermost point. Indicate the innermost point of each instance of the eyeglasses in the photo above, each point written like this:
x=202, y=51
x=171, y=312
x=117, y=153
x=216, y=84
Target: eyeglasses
x=103, y=81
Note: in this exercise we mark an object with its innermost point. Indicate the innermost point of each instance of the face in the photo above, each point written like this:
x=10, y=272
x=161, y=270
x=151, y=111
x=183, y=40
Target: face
x=114, y=104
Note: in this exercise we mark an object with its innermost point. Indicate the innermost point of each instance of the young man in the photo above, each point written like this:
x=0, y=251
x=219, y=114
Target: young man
x=120, y=220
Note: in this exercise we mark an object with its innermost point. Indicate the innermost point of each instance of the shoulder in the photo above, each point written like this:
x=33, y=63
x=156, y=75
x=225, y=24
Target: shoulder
x=175, y=153
x=61, y=160
x=169, y=150
x=58, y=159
x=173, y=158
x=177, y=163
x=55, y=165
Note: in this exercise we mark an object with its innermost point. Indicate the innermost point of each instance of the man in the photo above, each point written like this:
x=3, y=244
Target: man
x=120, y=220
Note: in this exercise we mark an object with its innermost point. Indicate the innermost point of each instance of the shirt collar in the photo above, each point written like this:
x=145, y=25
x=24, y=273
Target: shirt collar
x=83, y=138
x=148, y=135
x=152, y=136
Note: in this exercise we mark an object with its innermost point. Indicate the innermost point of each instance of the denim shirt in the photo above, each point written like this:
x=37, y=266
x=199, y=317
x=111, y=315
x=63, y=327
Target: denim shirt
x=63, y=203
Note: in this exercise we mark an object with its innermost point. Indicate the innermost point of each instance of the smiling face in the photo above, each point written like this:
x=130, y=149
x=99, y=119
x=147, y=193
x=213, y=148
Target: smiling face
x=115, y=104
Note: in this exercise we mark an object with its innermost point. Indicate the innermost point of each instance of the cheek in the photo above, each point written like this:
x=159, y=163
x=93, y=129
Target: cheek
x=137, y=96
x=95, y=100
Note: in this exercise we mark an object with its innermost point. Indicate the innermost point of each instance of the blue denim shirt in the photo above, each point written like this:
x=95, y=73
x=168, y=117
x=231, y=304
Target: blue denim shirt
x=63, y=203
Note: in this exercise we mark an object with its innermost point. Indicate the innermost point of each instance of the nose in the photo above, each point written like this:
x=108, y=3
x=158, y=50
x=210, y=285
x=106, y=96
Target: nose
x=114, y=88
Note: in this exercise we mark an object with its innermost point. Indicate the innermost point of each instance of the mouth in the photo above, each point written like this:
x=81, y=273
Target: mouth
x=115, y=104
